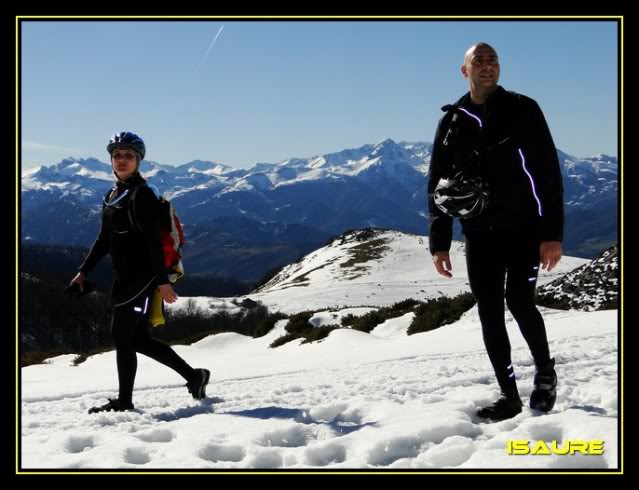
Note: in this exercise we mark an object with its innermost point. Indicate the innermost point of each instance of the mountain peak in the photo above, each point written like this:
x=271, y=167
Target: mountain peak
x=390, y=150
x=602, y=157
x=204, y=166
x=68, y=161
x=386, y=142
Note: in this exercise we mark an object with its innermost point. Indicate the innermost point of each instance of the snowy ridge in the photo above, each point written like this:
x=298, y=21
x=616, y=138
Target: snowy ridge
x=373, y=267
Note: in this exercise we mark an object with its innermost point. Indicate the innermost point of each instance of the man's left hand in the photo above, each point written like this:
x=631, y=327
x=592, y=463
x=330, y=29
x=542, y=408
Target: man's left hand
x=550, y=254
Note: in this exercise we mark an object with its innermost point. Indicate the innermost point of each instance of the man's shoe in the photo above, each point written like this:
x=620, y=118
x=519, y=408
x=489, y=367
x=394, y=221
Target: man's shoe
x=544, y=394
x=506, y=407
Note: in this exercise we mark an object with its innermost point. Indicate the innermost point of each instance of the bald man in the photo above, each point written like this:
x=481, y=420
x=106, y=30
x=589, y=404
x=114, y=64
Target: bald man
x=512, y=227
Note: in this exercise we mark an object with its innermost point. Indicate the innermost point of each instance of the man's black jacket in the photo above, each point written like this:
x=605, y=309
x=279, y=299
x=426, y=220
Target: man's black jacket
x=507, y=142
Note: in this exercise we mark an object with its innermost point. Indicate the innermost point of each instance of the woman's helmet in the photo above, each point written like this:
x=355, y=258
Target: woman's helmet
x=125, y=139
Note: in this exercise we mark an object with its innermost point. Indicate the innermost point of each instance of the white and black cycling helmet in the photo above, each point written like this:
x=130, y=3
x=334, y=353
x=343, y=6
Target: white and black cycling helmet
x=461, y=198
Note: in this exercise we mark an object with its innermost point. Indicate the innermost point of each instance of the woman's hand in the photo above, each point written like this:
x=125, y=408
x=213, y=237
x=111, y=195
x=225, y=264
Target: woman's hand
x=79, y=280
x=167, y=293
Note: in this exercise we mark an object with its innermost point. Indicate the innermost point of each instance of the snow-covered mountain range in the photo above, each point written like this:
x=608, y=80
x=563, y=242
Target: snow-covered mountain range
x=276, y=212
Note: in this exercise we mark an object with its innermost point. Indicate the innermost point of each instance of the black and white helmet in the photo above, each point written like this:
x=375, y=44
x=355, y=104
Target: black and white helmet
x=461, y=198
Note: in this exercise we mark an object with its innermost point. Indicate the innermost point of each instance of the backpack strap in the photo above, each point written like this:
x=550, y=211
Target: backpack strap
x=131, y=209
x=451, y=126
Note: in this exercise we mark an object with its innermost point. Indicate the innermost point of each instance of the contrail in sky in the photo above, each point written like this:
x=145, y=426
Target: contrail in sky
x=209, y=50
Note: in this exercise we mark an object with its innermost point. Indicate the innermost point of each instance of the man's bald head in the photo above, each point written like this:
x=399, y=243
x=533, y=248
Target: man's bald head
x=484, y=47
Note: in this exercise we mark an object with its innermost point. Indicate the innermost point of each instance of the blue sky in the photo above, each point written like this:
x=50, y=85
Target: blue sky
x=268, y=90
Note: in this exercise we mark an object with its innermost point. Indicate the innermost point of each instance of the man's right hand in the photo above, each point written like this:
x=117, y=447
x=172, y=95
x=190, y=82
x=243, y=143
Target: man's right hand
x=79, y=280
x=442, y=263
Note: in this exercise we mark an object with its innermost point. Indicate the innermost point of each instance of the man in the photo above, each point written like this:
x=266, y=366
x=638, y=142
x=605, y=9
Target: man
x=502, y=139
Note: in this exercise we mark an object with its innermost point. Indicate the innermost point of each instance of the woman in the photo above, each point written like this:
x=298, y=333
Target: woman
x=138, y=265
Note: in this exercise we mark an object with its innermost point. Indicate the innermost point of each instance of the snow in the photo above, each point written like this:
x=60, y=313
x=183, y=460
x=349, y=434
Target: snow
x=384, y=400
x=353, y=400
